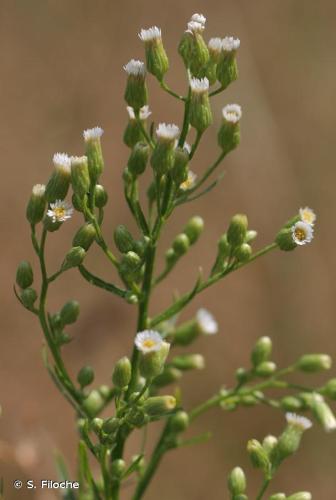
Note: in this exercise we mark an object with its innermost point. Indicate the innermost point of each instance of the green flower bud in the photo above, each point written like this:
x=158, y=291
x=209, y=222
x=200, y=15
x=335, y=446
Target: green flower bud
x=313, y=363
x=28, y=297
x=200, y=110
x=258, y=455
x=139, y=157
x=323, y=413
x=250, y=236
x=227, y=70
x=180, y=169
x=85, y=236
x=156, y=58
x=59, y=182
x=200, y=55
x=159, y=405
x=104, y=391
x=127, y=177
x=168, y=376
x=152, y=363
x=266, y=369
x=243, y=253
x=237, y=230
x=74, y=258
x=181, y=244
x=132, y=133
x=179, y=422
x=163, y=157
x=93, y=403
x=189, y=362
x=80, y=178
x=49, y=224
x=223, y=248
x=261, y=351
x=132, y=298
x=118, y=467
x=284, y=240
x=291, y=403
x=210, y=72
x=248, y=400
x=96, y=425
x=101, y=196
x=171, y=257
x=229, y=132
x=130, y=263
x=111, y=425
x=194, y=229
x=242, y=375
x=185, y=47
x=36, y=204
x=85, y=376
x=141, y=246
x=24, y=274
x=278, y=496
x=237, y=482
x=94, y=153
x=290, y=439
x=70, y=312
x=215, y=47
x=301, y=495
x=269, y=443
x=78, y=203
x=122, y=373
x=186, y=333
x=330, y=389
x=136, y=90
x=123, y=239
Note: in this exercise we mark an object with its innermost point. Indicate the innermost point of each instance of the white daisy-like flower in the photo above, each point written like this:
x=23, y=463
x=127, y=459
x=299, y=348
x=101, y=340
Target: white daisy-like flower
x=148, y=341
x=302, y=233
x=307, y=215
x=190, y=182
x=60, y=211
x=206, y=322
x=167, y=131
x=91, y=134
x=198, y=18
x=298, y=420
x=232, y=113
x=38, y=190
x=62, y=161
x=151, y=34
x=215, y=45
x=229, y=43
x=199, y=85
x=194, y=27
x=135, y=68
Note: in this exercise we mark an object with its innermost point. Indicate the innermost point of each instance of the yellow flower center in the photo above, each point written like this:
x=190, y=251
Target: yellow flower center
x=59, y=212
x=300, y=234
x=149, y=343
x=308, y=217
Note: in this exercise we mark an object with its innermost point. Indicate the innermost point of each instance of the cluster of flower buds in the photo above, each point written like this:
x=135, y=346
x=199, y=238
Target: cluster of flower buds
x=298, y=231
x=183, y=241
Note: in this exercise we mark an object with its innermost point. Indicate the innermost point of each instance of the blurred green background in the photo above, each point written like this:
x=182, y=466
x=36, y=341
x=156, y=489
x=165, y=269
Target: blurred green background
x=61, y=72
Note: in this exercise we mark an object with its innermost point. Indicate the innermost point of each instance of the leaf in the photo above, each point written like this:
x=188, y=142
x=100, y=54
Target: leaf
x=62, y=470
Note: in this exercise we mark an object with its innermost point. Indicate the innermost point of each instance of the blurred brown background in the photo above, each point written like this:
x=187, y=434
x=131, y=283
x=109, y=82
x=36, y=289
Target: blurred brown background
x=61, y=72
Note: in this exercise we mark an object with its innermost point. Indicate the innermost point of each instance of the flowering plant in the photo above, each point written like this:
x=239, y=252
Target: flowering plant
x=109, y=414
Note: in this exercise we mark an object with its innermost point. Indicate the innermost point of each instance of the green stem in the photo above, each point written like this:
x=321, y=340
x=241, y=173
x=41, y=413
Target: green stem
x=196, y=144
x=94, y=280
x=144, y=131
x=185, y=126
x=263, y=488
x=217, y=91
x=167, y=89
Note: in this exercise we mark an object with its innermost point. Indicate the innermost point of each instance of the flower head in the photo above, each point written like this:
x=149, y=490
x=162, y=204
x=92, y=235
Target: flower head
x=302, y=233
x=167, y=132
x=307, y=215
x=298, y=420
x=151, y=34
x=91, y=134
x=199, y=85
x=206, y=322
x=198, y=18
x=229, y=43
x=62, y=161
x=195, y=27
x=60, y=211
x=232, y=113
x=148, y=341
x=38, y=190
x=215, y=45
x=144, y=112
x=190, y=182
x=135, y=68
